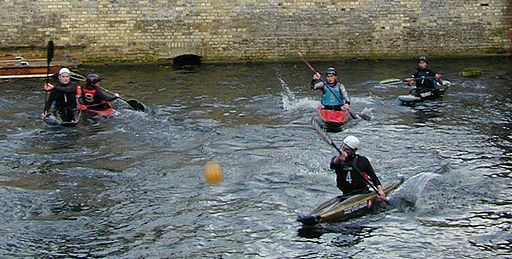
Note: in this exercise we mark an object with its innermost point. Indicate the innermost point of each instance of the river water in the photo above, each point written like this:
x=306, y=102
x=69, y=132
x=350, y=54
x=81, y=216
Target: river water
x=132, y=186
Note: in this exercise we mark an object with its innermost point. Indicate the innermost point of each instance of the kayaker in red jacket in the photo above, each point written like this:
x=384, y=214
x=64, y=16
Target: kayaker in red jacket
x=350, y=169
x=334, y=94
x=91, y=95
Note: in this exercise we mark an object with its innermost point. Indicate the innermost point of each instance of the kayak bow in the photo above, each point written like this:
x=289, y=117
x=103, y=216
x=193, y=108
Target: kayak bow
x=341, y=208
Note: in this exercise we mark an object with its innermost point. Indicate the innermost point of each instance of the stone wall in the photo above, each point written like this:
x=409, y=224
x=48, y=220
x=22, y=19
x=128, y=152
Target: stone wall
x=251, y=30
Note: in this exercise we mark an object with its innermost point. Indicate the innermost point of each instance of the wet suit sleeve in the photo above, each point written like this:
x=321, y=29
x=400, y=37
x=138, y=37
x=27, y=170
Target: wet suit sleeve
x=65, y=89
x=366, y=167
x=317, y=84
x=344, y=93
x=333, y=165
x=102, y=96
x=50, y=100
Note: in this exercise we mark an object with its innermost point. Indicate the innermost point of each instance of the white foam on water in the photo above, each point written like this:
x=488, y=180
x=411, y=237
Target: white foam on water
x=290, y=102
x=412, y=190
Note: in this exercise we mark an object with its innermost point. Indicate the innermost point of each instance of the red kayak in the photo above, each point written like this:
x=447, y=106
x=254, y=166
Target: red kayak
x=102, y=109
x=333, y=118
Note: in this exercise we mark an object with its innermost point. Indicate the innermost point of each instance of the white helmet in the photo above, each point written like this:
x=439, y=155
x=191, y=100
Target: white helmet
x=351, y=142
x=64, y=71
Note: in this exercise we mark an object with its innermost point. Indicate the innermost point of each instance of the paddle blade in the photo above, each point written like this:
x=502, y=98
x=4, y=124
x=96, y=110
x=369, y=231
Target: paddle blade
x=76, y=76
x=365, y=117
x=390, y=81
x=49, y=50
x=136, y=105
x=365, y=114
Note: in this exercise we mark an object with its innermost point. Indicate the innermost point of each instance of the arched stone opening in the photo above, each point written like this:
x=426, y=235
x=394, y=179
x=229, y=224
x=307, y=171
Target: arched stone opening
x=187, y=61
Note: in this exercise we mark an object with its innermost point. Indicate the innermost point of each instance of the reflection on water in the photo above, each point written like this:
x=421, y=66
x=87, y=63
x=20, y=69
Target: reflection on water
x=132, y=185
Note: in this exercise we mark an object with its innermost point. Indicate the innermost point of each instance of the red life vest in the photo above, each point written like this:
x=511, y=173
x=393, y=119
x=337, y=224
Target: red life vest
x=88, y=95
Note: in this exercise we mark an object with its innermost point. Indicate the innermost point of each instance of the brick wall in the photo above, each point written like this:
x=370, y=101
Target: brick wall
x=246, y=30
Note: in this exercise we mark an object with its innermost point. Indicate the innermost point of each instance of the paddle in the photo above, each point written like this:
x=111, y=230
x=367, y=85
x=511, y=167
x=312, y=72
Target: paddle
x=354, y=116
x=328, y=139
x=396, y=80
x=468, y=72
x=49, y=57
x=136, y=105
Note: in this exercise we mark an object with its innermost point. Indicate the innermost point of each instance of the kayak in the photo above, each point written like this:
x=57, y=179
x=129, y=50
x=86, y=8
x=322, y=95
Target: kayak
x=19, y=67
x=333, y=119
x=413, y=98
x=54, y=119
x=101, y=109
x=341, y=208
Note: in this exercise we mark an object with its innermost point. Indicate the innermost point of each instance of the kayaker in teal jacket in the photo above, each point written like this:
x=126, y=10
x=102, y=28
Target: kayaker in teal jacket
x=334, y=94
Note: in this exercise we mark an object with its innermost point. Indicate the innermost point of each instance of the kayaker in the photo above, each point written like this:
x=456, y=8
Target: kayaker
x=424, y=78
x=92, y=96
x=350, y=169
x=334, y=94
x=62, y=96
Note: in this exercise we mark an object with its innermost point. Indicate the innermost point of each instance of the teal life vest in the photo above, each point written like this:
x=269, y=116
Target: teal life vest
x=332, y=95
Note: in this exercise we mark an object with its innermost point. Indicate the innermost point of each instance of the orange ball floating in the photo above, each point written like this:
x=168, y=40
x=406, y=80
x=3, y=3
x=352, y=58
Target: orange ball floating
x=213, y=172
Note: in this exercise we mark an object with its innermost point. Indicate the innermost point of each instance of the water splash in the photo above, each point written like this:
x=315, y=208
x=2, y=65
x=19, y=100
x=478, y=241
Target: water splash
x=412, y=190
x=290, y=102
x=369, y=99
x=473, y=84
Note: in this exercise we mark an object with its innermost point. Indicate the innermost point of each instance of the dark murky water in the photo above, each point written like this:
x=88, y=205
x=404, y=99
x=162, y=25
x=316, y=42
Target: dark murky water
x=132, y=186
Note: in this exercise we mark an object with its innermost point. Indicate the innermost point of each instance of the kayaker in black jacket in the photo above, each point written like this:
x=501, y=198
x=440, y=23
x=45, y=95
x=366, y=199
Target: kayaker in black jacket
x=350, y=169
x=62, y=97
x=424, y=78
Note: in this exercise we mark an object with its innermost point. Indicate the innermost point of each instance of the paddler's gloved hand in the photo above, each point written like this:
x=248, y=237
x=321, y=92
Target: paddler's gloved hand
x=409, y=81
x=316, y=78
x=48, y=87
x=382, y=194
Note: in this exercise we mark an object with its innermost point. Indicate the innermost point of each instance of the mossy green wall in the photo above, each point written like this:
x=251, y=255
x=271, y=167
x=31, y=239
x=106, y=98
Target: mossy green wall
x=250, y=30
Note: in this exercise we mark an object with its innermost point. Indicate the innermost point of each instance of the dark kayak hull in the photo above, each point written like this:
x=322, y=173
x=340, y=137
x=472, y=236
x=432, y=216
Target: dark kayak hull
x=54, y=119
x=342, y=208
x=412, y=98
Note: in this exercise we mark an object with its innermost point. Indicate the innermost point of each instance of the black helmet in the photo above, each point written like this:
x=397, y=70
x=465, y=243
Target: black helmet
x=330, y=71
x=92, y=79
x=423, y=58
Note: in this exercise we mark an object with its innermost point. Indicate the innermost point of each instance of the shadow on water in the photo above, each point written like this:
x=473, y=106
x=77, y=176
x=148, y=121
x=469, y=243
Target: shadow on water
x=346, y=234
